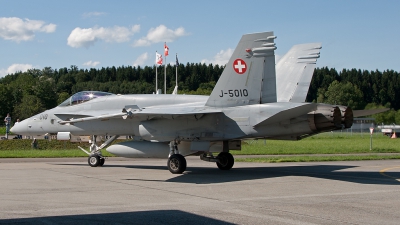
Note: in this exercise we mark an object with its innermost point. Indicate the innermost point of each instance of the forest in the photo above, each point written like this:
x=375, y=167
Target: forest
x=24, y=94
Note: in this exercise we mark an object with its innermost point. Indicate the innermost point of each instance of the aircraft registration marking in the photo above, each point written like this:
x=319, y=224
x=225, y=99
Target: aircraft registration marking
x=43, y=116
x=235, y=93
x=239, y=65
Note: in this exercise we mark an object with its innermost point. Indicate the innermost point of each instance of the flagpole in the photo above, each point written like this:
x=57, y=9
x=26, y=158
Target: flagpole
x=165, y=71
x=165, y=67
x=156, y=74
x=176, y=72
x=156, y=78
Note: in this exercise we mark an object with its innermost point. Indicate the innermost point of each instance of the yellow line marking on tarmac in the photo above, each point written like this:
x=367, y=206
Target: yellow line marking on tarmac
x=382, y=172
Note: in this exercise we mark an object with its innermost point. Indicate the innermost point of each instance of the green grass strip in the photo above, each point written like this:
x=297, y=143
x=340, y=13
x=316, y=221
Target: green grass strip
x=322, y=144
x=47, y=153
x=316, y=158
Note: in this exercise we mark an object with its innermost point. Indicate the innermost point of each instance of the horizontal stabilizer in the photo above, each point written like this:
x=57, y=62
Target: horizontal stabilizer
x=295, y=111
x=368, y=112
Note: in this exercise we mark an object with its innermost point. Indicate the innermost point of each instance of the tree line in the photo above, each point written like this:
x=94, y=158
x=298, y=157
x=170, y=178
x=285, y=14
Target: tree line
x=24, y=94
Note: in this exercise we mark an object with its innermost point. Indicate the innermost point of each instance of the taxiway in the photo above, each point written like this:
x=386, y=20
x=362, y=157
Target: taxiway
x=143, y=191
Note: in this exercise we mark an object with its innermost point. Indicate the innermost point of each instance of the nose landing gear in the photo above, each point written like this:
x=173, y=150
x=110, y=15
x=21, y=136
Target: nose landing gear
x=95, y=157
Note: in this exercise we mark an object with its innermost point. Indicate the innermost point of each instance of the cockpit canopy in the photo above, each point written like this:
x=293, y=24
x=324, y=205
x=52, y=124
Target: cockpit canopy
x=84, y=96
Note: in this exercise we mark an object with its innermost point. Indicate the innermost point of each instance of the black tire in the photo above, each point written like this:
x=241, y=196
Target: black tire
x=226, y=161
x=94, y=160
x=102, y=161
x=176, y=164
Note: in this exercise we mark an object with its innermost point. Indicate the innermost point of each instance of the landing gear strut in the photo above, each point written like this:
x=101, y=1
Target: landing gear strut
x=95, y=157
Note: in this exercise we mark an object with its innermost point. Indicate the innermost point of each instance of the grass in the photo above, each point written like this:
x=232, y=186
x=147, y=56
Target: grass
x=319, y=158
x=321, y=148
x=326, y=144
x=2, y=130
x=25, y=144
x=46, y=153
x=322, y=144
x=47, y=149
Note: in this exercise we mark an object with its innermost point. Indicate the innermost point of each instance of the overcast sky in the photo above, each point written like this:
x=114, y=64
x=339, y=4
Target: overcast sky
x=94, y=34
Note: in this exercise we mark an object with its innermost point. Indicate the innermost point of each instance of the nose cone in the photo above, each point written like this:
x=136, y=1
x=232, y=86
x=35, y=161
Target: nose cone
x=20, y=128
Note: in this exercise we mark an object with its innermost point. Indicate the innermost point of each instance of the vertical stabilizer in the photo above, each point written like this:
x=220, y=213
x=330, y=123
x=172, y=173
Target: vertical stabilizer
x=249, y=76
x=294, y=72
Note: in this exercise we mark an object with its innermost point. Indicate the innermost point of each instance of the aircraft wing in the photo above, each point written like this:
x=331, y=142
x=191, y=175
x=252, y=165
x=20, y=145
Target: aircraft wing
x=173, y=112
x=88, y=118
x=176, y=111
x=149, y=113
x=294, y=72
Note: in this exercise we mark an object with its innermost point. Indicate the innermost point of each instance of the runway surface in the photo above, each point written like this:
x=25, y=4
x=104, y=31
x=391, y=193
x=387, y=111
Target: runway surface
x=143, y=191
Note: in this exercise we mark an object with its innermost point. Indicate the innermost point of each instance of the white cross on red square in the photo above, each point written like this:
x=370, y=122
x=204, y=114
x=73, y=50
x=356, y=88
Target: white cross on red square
x=239, y=66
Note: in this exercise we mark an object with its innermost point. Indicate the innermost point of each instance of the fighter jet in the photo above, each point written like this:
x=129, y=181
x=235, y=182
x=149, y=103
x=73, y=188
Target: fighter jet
x=248, y=102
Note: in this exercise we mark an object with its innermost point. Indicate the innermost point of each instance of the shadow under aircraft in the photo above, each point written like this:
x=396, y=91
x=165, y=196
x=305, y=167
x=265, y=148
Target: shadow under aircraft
x=142, y=217
x=205, y=175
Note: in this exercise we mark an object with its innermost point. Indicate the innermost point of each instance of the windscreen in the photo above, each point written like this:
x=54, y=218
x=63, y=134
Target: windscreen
x=84, y=96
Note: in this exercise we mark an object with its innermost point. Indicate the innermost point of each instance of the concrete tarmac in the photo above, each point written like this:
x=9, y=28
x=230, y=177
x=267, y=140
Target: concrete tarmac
x=143, y=191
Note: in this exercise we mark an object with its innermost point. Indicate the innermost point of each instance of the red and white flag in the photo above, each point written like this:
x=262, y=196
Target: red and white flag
x=166, y=49
x=158, y=59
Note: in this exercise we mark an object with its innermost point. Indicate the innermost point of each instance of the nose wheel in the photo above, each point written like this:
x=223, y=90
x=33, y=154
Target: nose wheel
x=96, y=160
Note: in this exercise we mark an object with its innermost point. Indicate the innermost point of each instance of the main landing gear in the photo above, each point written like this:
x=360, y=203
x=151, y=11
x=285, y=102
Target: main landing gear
x=95, y=157
x=224, y=160
x=177, y=163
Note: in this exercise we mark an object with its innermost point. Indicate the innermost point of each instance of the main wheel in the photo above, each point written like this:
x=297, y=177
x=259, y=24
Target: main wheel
x=102, y=160
x=176, y=164
x=226, y=161
x=94, y=160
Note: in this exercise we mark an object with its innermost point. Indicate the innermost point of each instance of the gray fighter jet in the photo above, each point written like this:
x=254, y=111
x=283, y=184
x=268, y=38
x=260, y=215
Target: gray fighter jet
x=251, y=100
